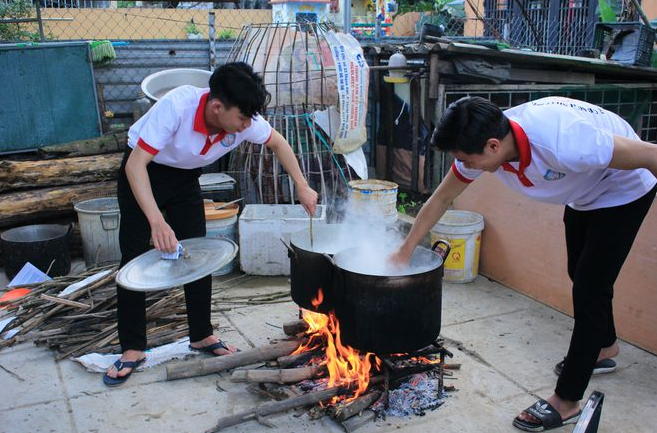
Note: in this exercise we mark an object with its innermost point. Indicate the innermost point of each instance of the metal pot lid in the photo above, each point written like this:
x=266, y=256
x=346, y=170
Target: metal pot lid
x=150, y=271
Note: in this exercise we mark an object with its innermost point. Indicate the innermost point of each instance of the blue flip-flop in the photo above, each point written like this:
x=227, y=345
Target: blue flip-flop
x=120, y=365
x=210, y=348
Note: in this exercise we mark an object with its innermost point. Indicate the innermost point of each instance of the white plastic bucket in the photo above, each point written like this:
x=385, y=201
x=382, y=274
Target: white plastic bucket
x=222, y=228
x=462, y=229
x=99, y=221
x=373, y=200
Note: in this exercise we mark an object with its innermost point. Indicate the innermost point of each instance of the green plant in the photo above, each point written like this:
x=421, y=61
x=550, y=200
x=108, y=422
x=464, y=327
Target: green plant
x=16, y=31
x=191, y=29
x=403, y=205
x=225, y=34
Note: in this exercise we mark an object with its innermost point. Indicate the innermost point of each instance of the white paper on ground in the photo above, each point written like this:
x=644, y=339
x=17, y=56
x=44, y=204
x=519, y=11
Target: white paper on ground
x=80, y=284
x=99, y=363
x=29, y=274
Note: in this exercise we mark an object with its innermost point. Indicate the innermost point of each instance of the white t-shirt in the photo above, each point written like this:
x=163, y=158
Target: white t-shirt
x=565, y=148
x=174, y=130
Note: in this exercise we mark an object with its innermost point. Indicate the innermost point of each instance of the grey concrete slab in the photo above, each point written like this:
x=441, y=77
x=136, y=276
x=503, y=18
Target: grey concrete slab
x=506, y=343
x=50, y=417
x=31, y=376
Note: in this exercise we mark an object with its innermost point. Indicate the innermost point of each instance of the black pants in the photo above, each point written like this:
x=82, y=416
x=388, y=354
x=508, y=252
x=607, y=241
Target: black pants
x=598, y=243
x=178, y=194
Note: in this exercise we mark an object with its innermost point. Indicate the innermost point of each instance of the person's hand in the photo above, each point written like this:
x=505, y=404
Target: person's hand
x=308, y=199
x=399, y=259
x=164, y=238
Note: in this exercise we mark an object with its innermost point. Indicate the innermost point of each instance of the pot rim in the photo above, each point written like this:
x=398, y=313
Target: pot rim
x=4, y=238
x=420, y=270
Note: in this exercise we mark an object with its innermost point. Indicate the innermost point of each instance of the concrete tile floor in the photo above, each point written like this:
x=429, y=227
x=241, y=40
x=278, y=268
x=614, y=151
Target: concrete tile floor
x=506, y=343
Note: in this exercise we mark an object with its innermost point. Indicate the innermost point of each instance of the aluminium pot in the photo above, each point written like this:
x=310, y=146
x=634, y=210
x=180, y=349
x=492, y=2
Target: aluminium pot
x=309, y=269
x=46, y=246
x=388, y=313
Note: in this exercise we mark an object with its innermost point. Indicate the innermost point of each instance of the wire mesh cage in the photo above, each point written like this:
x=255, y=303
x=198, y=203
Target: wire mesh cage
x=298, y=70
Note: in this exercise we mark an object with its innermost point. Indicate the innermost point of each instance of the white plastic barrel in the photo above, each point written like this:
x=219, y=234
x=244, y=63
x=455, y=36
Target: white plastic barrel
x=99, y=220
x=462, y=229
x=222, y=228
x=373, y=200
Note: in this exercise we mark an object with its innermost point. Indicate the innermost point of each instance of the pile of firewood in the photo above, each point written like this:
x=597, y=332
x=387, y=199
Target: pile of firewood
x=42, y=187
x=85, y=321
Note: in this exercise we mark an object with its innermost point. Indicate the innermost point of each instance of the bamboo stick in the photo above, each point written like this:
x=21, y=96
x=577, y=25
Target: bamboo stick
x=290, y=375
x=275, y=407
x=228, y=362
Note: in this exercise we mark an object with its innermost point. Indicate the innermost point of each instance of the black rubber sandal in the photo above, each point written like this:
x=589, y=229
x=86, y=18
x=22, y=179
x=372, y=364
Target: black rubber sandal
x=548, y=418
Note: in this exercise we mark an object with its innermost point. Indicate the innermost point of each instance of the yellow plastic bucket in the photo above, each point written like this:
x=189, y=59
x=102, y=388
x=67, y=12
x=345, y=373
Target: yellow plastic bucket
x=462, y=229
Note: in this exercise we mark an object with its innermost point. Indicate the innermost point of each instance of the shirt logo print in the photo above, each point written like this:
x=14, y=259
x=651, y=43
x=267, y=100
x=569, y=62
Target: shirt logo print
x=553, y=175
x=228, y=140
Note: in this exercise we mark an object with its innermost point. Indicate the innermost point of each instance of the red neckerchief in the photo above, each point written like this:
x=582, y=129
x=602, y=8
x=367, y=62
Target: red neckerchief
x=525, y=154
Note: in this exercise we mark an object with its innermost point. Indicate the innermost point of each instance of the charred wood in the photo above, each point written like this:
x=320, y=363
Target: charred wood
x=341, y=412
x=294, y=328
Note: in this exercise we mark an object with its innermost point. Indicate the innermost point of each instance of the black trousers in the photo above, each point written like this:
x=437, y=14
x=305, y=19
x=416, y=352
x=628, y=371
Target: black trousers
x=178, y=194
x=598, y=243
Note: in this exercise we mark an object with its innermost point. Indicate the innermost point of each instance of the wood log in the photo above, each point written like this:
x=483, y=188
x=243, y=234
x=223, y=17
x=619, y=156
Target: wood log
x=290, y=375
x=18, y=207
x=108, y=143
x=298, y=358
x=275, y=407
x=62, y=171
x=356, y=422
x=296, y=327
x=345, y=411
x=228, y=362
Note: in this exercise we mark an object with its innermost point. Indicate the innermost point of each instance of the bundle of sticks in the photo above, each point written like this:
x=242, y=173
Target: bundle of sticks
x=85, y=321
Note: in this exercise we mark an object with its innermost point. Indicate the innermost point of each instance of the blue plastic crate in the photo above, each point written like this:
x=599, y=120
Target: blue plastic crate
x=629, y=42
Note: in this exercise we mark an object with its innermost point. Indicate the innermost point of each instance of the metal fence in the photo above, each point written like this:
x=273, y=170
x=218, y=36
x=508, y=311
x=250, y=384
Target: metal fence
x=551, y=26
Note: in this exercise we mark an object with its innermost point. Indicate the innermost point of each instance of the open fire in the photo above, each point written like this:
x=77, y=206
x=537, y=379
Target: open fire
x=345, y=365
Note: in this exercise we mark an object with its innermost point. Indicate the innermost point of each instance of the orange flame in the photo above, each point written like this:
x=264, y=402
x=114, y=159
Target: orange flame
x=344, y=363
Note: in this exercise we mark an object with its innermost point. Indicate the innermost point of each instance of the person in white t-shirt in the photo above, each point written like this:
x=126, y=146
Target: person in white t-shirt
x=563, y=151
x=185, y=130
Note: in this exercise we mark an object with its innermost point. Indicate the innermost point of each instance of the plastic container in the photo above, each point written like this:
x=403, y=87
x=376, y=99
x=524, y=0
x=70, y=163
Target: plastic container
x=373, y=200
x=261, y=228
x=632, y=42
x=158, y=84
x=222, y=224
x=140, y=106
x=99, y=221
x=462, y=229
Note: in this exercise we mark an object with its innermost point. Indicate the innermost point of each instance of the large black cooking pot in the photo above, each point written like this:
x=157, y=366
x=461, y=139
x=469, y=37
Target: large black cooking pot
x=309, y=269
x=385, y=312
x=39, y=244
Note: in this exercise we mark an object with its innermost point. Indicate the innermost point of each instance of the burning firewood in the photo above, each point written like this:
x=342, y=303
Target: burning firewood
x=341, y=412
x=289, y=361
x=294, y=328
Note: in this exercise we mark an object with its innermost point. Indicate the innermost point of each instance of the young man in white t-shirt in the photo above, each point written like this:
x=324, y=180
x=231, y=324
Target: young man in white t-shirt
x=568, y=152
x=185, y=130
